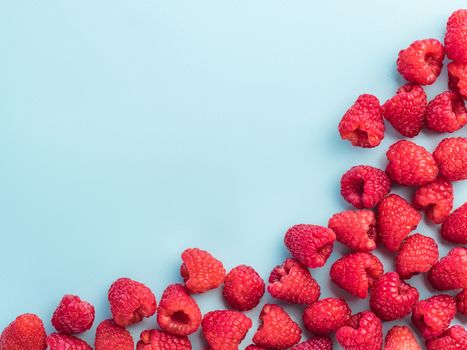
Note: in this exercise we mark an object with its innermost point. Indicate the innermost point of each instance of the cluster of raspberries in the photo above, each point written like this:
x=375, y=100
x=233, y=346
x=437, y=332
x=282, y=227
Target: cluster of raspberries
x=379, y=217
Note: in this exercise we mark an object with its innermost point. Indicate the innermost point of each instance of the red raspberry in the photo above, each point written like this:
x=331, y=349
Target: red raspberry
x=243, y=288
x=446, y=112
x=421, y=62
x=454, y=228
x=451, y=156
x=401, y=338
x=356, y=273
x=57, y=341
x=432, y=316
x=225, y=330
x=159, y=340
x=73, y=315
x=436, y=198
x=391, y=298
x=450, y=271
x=363, y=332
x=417, y=254
x=326, y=315
x=310, y=244
x=396, y=219
x=406, y=110
x=178, y=313
x=455, y=338
x=293, y=283
x=410, y=164
x=363, y=123
x=364, y=186
x=457, y=78
x=455, y=39
x=25, y=332
x=461, y=300
x=110, y=336
x=318, y=342
x=254, y=347
x=130, y=301
x=201, y=271
x=277, y=329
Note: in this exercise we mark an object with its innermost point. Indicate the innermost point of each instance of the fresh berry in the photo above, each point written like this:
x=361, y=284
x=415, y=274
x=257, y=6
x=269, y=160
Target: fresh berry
x=454, y=228
x=401, y=338
x=364, y=186
x=310, y=244
x=363, y=123
x=326, y=315
x=457, y=78
x=455, y=338
x=363, y=332
x=461, y=300
x=73, y=315
x=254, y=347
x=396, y=218
x=178, y=313
x=318, y=342
x=110, y=336
x=446, y=113
x=406, y=110
x=243, y=288
x=451, y=271
x=293, y=283
x=455, y=39
x=417, y=254
x=201, y=271
x=421, y=62
x=436, y=198
x=130, y=302
x=159, y=340
x=58, y=341
x=25, y=332
x=451, y=156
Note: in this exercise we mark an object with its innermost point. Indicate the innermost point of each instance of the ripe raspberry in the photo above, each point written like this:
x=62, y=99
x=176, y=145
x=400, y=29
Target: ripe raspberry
x=277, y=329
x=243, y=288
x=25, y=332
x=73, y=315
x=254, y=347
x=461, y=300
x=293, y=283
x=406, y=110
x=355, y=228
x=451, y=271
x=57, y=341
x=391, y=298
x=110, y=336
x=178, y=313
x=451, y=156
x=159, y=340
x=364, y=186
x=455, y=338
x=457, y=78
x=446, y=112
x=363, y=123
x=318, y=342
x=436, y=198
x=130, y=301
x=363, y=332
x=417, y=254
x=455, y=39
x=421, y=62
x=401, y=338
x=326, y=315
x=454, y=228
x=396, y=218
x=432, y=316
x=356, y=273
x=410, y=164
x=201, y=271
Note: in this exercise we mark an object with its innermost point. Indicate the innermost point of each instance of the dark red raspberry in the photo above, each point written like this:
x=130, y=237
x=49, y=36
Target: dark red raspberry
x=454, y=228
x=451, y=271
x=455, y=338
x=417, y=254
x=401, y=338
x=436, y=198
x=243, y=288
x=457, y=78
x=110, y=336
x=57, y=341
x=73, y=315
x=451, y=156
x=446, y=113
x=326, y=315
x=318, y=342
x=461, y=300
x=159, y=340
x=25, y=332
x=254, y=347
x=455, y=39
x=363, y=332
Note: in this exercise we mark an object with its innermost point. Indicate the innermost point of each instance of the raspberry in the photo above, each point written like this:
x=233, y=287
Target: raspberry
x=450, y=271
x=73, y=315
x=356, y=273
x=159, y=340
x=446, y=112
x=364, y=186
x=421, y=62
x=451, y=156
x=326, y=315
x=25, y=332
x=254, y=347
x=293, y=283
x=436, y=198
x=178, y=313
x=318, y=342
x=461, y=300
x=110, y=336
x=363, y=123
x=130, y=301
x=391, y=298
x=433, y=315
x=455, y=338
x=454, y=228
x=363, y=332
x=410, y=164
x=57, y=341
x=401, y=338
x=455, y=39
x=406, y=110
x=277, y=329
x=225, y=330
x=355, y=228
x=201, y=271
x=396, y=218
x=243, y=288
x=457, y=78
x=417, y=254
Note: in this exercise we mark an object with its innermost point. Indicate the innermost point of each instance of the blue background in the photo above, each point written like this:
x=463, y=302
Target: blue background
x=131, y=130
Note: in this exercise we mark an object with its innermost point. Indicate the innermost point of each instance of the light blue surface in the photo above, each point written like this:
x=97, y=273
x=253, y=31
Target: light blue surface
x=130, y=130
